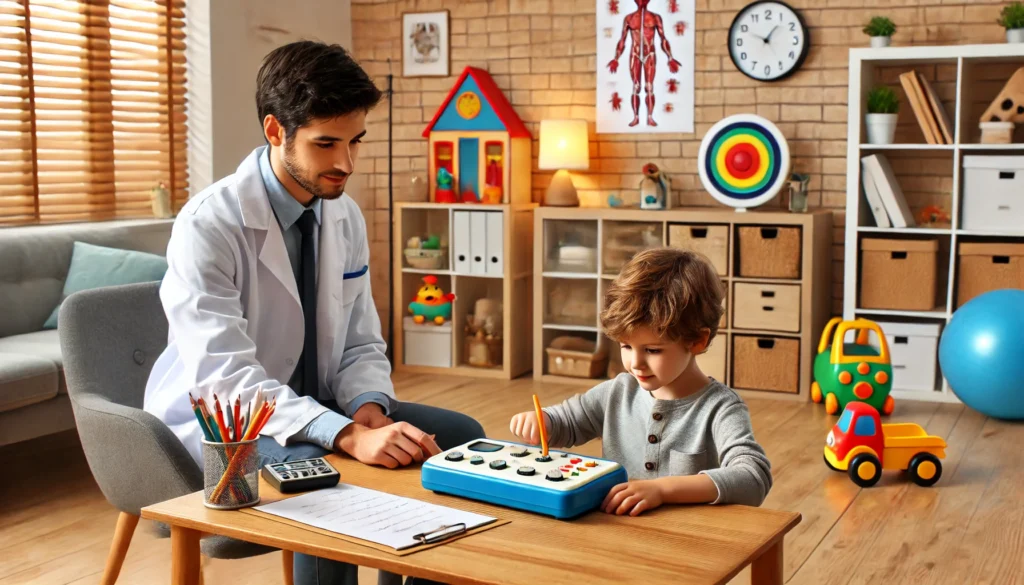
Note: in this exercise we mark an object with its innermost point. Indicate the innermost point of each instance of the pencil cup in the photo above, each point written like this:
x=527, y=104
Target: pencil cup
x=231, y=475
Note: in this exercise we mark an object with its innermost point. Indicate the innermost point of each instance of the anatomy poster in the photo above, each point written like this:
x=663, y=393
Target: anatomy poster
x=645, y=62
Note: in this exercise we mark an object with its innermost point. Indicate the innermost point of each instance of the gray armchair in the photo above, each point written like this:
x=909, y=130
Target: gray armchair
x=110, y=338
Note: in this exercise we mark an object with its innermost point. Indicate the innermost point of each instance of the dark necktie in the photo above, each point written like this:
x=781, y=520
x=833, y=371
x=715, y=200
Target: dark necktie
x=307, y=292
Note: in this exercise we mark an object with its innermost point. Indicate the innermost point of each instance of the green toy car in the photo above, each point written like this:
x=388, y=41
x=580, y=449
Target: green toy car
x=852, y=372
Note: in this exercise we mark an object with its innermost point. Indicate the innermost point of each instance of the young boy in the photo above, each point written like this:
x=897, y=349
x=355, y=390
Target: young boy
x=683, y=438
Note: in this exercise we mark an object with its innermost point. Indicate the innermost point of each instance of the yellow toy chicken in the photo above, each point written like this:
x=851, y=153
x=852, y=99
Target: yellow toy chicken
x=431, y=302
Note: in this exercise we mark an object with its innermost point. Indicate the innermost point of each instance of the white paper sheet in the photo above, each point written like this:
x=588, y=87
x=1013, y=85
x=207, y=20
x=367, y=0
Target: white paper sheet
x=371, y=515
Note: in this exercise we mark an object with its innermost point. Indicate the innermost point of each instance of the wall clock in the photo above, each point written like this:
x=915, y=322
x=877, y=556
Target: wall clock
x=468, y=105
x=768, y=40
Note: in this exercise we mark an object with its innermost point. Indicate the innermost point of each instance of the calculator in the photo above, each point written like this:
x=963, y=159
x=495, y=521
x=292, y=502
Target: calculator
x=299, y=476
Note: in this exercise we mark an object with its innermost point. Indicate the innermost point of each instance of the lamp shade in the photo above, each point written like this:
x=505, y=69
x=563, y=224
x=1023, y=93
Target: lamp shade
x=563, y=145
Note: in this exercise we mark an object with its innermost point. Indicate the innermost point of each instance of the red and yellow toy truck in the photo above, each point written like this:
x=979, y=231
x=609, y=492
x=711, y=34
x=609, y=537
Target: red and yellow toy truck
x=862, y=446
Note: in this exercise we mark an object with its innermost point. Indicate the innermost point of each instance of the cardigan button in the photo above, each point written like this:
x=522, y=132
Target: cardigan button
x=657, y=416
x=649, y=466
x=652, y=439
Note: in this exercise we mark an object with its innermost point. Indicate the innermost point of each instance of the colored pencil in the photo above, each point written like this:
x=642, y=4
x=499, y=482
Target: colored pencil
x=219, y=415
x=540, y=425
x=238, y=418
x=199, y=417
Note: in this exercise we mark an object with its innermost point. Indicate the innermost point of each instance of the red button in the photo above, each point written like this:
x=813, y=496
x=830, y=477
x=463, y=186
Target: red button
x=575, y=461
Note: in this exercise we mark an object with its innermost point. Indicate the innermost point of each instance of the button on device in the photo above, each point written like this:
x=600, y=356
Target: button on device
x=543, y=459
x=657, y=416
x=526, y=471
x=591, y=464
x=581, y=468
x=476, y=460
x=575, y=473
x=575, y=460
x=517, y=452
x=564, y=455
x=454, y=456
x=554, y=475
x=498, y=464
x=652, y=439
x=649, y=466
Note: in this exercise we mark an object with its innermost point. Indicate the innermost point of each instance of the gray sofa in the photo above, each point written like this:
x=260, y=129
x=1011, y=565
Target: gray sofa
x=34, y=262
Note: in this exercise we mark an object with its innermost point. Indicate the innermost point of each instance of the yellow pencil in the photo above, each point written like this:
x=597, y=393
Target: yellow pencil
x=540, y=425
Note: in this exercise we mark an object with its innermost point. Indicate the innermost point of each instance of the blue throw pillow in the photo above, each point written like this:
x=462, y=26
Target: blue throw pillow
x=97, y=266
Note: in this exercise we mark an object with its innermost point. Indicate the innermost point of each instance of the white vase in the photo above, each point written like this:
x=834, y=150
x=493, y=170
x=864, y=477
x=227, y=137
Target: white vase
x=879, y=42
x=881, y=128
x=1015, y=35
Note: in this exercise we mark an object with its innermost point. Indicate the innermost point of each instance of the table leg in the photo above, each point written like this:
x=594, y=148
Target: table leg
x=767, y=568
x=185, y=568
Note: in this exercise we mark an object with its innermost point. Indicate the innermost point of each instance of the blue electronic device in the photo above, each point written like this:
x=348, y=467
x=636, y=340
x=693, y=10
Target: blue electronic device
x=563, y=485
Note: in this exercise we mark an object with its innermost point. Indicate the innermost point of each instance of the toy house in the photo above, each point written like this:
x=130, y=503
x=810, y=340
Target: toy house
x=479, y=148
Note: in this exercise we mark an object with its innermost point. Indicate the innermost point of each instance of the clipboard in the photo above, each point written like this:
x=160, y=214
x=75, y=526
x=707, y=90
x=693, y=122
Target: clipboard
x=439, y=536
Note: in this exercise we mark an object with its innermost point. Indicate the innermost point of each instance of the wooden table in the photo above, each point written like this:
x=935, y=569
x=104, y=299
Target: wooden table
x=674, y=544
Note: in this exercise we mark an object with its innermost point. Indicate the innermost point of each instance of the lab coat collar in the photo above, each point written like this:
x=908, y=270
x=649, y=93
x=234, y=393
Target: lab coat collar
x=254, y=202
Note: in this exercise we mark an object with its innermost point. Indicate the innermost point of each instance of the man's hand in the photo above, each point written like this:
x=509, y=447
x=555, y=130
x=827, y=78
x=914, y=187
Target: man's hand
x=633, y=498
x=371, y=415
x=392, y=446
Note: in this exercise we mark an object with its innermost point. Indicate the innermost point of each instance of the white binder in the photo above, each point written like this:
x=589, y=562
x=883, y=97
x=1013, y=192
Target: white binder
x=495, y=243
x=461, y=242
x=478, y=242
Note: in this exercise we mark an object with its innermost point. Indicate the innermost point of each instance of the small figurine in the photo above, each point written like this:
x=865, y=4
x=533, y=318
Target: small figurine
x=933, y=216
x=862, y=446
x=492, y=184
x=445, y=194
x=160, y=198
x=431, y=302
x=469, y=196
x=655, y=188
x=615, y=201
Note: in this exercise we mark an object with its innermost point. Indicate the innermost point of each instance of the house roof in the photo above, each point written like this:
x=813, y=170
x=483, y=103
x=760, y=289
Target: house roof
x=495, y=98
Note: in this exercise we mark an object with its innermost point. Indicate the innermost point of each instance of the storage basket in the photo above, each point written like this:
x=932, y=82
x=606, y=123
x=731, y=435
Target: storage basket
x=575, y=357
x=899, y=274
x=769, y=252
x=988, y=266
x=710, y=240
x=426, y=259
x=766, y=363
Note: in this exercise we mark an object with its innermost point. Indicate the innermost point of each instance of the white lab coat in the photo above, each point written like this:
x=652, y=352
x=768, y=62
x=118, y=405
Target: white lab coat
x=235, y=317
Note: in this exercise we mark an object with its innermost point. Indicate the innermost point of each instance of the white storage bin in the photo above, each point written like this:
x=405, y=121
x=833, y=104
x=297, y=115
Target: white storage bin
x=428, y=344
x=993, y=194
x=913, y=350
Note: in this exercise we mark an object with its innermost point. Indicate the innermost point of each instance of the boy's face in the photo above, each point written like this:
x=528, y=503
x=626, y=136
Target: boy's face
x=654, y=361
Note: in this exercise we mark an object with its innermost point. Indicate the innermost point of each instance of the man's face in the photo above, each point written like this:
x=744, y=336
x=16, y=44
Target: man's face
x=322, y=154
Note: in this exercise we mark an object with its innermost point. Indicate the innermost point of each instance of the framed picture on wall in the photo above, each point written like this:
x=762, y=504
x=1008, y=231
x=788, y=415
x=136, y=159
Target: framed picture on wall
x=426, y=51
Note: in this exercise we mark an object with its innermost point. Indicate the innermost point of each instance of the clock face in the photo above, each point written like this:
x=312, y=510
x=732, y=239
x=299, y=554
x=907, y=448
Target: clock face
x=468, y=105
x=768, y=41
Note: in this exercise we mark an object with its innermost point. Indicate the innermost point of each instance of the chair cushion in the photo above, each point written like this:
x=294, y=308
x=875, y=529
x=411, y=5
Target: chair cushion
x=25, y=380
x=41, y=344
x=98, y=266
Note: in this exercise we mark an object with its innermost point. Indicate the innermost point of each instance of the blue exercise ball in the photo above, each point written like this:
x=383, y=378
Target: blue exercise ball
x=981, y=353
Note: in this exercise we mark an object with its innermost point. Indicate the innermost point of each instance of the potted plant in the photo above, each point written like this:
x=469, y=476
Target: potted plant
x=880, y=29
x=1012, y=19
x=883, y=104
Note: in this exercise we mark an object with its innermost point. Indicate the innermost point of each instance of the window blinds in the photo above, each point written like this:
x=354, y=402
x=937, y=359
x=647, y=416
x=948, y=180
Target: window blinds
x=92, y=108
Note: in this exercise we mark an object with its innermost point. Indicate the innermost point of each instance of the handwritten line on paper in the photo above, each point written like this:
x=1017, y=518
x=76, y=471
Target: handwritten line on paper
x=371, y=515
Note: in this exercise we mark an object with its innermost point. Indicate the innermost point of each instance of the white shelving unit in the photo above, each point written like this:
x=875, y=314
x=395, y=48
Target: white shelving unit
x=972, y=89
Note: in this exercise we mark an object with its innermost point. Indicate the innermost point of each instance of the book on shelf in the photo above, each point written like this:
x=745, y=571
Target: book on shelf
x=888, y=188
x=928, y=110
x=873, y=198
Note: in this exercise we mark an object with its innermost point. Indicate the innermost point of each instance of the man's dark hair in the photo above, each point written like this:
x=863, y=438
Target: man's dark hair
x=308, y=80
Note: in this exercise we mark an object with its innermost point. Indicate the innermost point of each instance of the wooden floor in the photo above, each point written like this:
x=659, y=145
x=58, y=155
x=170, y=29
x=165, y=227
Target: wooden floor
x=55, y=526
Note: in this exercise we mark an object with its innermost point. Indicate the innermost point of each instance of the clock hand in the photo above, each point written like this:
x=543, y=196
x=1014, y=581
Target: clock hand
x=769, y=37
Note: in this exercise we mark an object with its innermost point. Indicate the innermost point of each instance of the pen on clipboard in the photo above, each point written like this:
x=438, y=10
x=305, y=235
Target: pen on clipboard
x=440, y=533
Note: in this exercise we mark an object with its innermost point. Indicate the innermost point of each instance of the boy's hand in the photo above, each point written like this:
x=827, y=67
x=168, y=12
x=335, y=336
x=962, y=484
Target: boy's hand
x=524, y=426
x=633, y=498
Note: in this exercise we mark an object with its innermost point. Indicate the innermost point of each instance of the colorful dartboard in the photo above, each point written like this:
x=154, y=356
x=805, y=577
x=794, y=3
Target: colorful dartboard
x=743, y=161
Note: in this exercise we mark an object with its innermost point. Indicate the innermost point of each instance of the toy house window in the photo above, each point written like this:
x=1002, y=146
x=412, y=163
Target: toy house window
x=443, y=152
x=865, y=427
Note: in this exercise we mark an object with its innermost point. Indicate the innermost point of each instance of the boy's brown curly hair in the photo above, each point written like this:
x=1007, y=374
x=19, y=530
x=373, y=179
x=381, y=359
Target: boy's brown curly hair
x=676, y=293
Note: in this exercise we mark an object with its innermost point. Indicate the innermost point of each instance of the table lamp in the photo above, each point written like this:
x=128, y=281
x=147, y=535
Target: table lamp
x=563, y=148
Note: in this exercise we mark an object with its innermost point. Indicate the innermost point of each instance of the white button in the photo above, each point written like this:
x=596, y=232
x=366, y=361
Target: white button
x=290, y=362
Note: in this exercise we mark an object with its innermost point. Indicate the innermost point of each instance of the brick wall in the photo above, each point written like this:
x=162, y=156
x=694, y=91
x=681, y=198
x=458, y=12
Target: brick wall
x=541, y=53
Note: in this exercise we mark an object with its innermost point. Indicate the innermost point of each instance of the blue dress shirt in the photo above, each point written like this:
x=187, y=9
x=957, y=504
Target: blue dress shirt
x=325, y=428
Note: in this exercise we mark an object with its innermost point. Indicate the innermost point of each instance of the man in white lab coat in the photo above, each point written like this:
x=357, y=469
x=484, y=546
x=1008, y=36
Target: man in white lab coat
x=268, y=289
